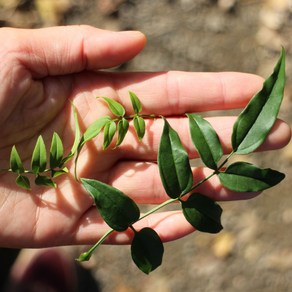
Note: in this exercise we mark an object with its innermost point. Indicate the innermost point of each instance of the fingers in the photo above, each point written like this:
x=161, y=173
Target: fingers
x=141, y=181
x=170, y=225
x=174, y=93
x=147, y=149
x=64, y=50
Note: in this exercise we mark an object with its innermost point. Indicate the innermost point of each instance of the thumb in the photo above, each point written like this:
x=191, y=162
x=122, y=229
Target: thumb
x=69, y=49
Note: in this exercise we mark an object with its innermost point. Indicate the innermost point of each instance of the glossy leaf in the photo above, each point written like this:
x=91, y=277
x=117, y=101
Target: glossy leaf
x=203, y=213
x=205, y=140
x=136, y=104
x=256, y=120
x=23, y=182
x=115, y=107
x=123, y=126
x=56, y=151
x=15, y=161
x=246, y=177
x=108, y=133
x=139, y=125
x=118, y=210
x=94, y=129
x=39, y=156
x=174, y=164
x=147, y=250
x=44, y=181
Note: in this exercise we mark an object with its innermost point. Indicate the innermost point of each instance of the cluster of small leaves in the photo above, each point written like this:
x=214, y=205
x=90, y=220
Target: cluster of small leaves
x=120, y=212
x=45, y=168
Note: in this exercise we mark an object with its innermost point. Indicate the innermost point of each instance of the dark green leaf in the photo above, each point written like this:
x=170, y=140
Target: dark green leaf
x=136, y=104
x=108, y=133
x=205, y=140
x=123, y=127
x=94, y=129
x=115, y=107
x=246, y=177
x=56, y=151
x=15, y=161
x=44, y=181
x=256, y=120
x=174, y=164
x=117, y=210
x=23, y=182
x=202, y=213
x=39, y=156
x=147, y=250
x=139, y=125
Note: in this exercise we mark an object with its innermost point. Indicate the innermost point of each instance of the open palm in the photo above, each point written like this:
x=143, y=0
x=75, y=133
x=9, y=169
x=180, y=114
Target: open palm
x=42, y=71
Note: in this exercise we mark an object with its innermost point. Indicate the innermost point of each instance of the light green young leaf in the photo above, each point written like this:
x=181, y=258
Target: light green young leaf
x=23, y=182
x=39, y=156
x=115, y=107
x=56, y=151
x=15, y=161
x=139, y=125
x=202, y=213
x=117, y=210
x=246, y=177
x=56, y=173
x=44, y=181
x=205, y=140
x=256, y=120
x=174, y=164
x=123, y=127
x=77, y=132
x=94, y=129
x=147, y=250
x=108, y=133
x=136, y=104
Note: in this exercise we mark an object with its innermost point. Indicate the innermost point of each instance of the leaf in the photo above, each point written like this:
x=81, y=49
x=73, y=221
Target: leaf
x=23, y=182
x=203, y=213
x=94, y=129
x=139, y=125
x=77, y=133
x=174, y=165
x=123, y=126
x=15, y=161
x=205, y=140
x=256, y=120
x=246, y=177
x=39, y=157
x=56, y=151
x=56, y=173
x=115, y=107
x=136, y=104
x=108, y=133
x=117, y=210
x=44, y=181
x=147, y=250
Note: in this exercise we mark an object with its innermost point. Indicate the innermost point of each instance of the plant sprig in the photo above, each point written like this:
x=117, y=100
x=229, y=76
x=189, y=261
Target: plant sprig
x=120, y=212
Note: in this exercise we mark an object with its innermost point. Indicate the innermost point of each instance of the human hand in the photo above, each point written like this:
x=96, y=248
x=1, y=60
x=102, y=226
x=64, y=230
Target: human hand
x=41, y=70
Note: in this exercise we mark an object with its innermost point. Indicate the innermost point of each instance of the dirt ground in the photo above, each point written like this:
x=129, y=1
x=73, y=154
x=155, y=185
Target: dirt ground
x=254, y=251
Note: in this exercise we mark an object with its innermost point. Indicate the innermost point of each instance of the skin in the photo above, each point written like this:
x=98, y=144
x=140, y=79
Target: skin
x=41, y=70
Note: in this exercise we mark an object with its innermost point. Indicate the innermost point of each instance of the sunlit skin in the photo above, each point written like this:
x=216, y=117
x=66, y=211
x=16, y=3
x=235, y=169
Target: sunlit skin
x=41, y=71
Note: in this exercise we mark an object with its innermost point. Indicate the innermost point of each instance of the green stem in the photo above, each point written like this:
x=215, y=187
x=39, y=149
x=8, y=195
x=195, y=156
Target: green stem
x=87, y=255
x=170, y=201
